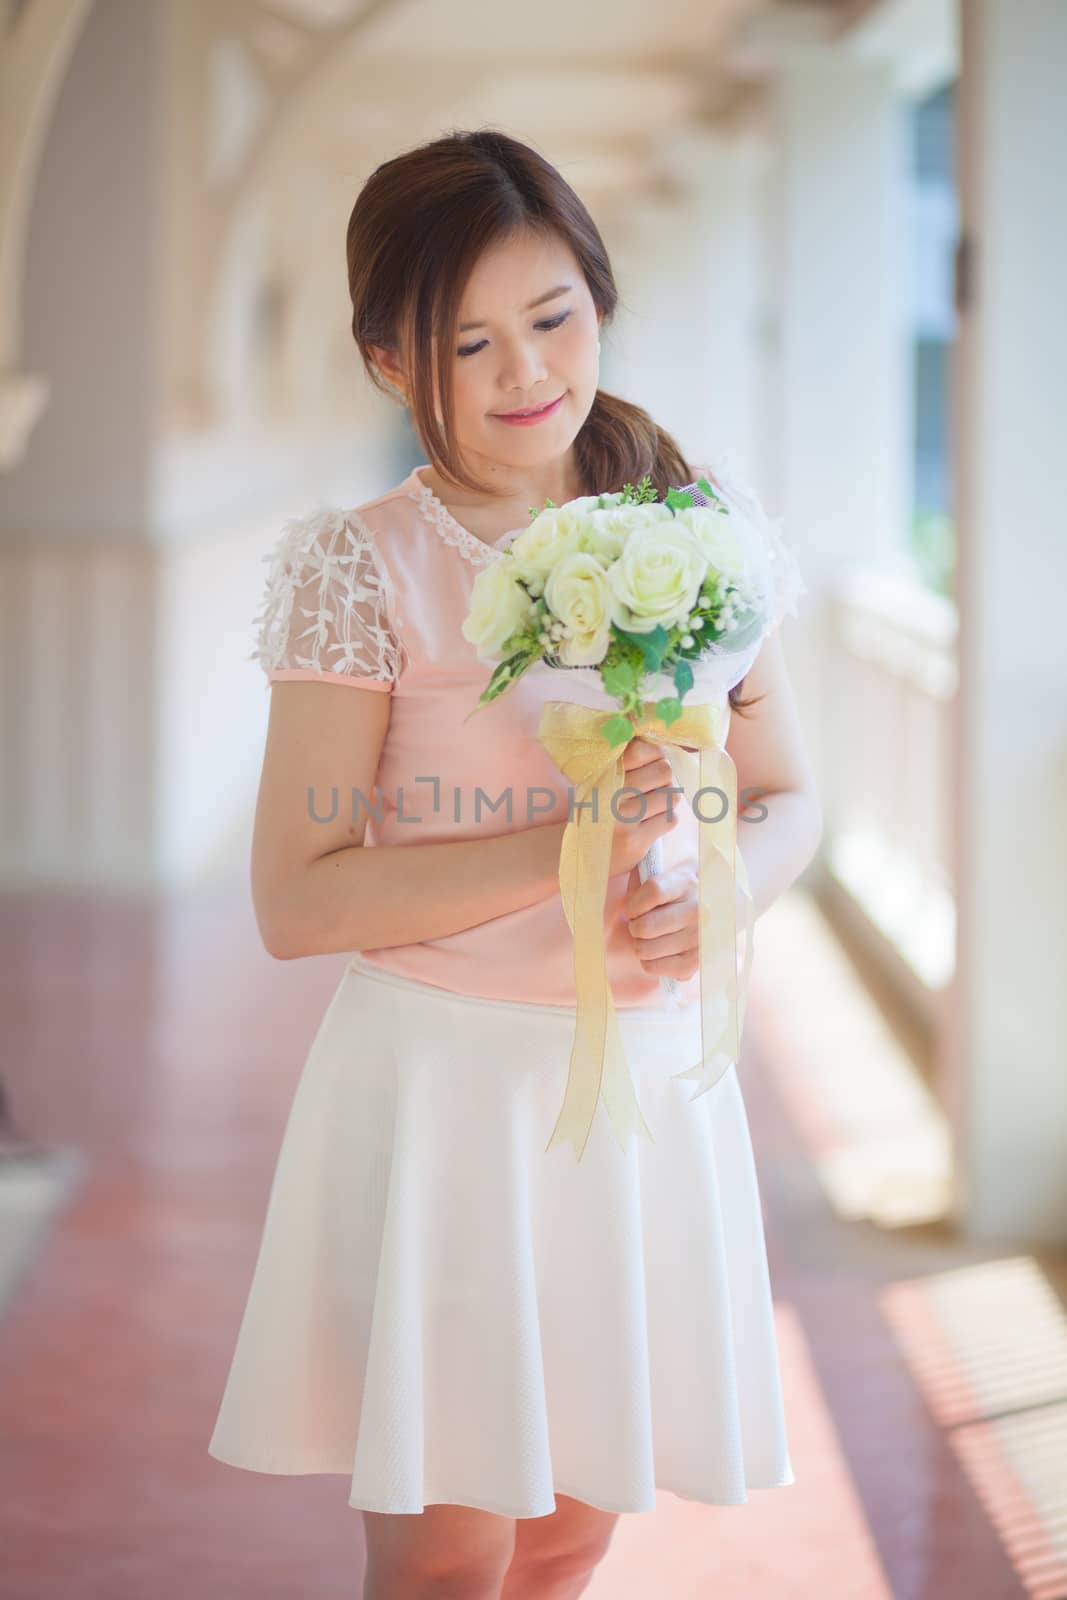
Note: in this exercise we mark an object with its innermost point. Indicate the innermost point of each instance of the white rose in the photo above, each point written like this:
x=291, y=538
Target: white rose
x=657, y=578
x=591, y=502
x=729, y=544
x=554, y=532
x=499, y=606
x=608, y=530
x=577, y=591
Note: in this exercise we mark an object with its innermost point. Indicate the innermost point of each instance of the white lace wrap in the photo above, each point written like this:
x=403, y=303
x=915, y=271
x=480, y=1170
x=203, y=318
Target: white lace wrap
x=324, y=574
x=787, y=585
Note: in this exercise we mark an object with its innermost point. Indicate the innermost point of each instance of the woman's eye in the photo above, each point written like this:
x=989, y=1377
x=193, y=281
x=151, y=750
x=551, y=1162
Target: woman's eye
x=553, y=322
x=545, y=327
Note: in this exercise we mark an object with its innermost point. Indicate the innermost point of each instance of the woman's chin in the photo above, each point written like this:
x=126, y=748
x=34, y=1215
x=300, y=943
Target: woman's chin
x=527, y=447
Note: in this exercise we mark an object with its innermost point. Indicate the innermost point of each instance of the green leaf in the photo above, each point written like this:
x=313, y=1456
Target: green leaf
x=506, y=673
x=652, y=645
x=626, y=642
x=655, y=650
x=678, y=499
x=617, y=729
x=638, y=494
x=668, y=710
x=619, y=678
x=683, y=677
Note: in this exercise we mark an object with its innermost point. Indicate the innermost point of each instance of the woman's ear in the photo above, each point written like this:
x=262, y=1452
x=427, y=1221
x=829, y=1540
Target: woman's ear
x=389, y=367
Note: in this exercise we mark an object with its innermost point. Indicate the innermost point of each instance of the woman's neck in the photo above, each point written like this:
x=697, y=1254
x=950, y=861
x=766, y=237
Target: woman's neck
x=515, y=497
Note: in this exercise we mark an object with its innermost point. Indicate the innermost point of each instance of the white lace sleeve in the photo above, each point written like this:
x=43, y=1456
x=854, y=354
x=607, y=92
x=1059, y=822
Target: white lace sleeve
x=327, y=610
x=787, y=585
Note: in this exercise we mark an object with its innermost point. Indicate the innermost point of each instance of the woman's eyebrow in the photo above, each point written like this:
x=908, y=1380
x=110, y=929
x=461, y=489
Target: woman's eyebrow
x=562, y=288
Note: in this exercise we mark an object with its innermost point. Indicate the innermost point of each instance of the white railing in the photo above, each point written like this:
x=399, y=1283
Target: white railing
x=893, y=678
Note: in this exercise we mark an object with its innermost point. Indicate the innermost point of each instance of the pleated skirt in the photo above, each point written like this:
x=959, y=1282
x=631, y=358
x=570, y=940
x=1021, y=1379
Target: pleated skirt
x=445, y=1313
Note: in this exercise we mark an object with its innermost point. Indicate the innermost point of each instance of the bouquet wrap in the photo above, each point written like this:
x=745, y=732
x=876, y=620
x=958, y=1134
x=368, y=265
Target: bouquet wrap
x=695, y=743
x=707, y=558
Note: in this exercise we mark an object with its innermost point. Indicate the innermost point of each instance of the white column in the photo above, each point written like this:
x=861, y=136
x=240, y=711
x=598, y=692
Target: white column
x=79, y=592
x=88, y=304
x=841, y=479
x=689, y=272
x=845, y=465
x=1008, y=1050
x=723, y=319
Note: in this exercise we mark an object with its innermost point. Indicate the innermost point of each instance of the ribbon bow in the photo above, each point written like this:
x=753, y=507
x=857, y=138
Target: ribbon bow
x=598, y=1069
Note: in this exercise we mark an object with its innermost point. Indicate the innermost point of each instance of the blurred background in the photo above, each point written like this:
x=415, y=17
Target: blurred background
x=839, y=233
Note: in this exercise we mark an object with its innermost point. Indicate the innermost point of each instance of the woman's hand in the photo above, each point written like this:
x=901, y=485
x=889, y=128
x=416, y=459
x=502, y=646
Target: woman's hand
x=663, y=918
x=647, y=770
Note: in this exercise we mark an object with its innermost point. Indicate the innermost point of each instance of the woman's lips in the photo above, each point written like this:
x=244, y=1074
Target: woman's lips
x=533, y=417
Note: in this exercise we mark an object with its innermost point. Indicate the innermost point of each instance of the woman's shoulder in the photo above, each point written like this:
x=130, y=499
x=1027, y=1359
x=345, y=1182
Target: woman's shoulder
x=329, y=606
x=366, y=524
x=393, y=510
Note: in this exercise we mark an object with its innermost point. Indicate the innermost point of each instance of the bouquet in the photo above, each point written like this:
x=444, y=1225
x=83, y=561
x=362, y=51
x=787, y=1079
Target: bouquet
x=634, y=604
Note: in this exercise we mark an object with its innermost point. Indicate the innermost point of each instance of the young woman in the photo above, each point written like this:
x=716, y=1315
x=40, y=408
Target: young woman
x=502, y=1348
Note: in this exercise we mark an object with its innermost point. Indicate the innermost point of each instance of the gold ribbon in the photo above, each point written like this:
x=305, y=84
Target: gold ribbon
x=598, y=1070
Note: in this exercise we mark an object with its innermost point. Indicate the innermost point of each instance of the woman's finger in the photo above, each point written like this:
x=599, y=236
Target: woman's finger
x=639, y=752
x=667, y=944
x=671, y=918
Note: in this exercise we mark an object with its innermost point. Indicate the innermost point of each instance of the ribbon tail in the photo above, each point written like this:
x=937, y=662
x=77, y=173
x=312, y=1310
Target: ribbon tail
x=618, y=1092
x=579, y=868
x=721, y=869
x=573, y=737
x=748, y=936
x=598, y=1068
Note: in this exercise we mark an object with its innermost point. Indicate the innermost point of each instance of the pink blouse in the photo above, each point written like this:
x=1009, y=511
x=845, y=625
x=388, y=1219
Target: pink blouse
x=374, y=598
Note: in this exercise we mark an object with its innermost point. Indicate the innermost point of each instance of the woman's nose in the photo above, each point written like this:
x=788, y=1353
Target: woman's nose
x=523, y=368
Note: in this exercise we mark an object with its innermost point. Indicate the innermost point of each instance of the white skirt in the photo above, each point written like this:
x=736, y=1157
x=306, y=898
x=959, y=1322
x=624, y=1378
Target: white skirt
x=444, y=1313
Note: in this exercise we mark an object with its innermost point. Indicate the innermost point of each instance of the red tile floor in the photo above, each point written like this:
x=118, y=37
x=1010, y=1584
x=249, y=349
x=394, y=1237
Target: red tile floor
x=161, y=1042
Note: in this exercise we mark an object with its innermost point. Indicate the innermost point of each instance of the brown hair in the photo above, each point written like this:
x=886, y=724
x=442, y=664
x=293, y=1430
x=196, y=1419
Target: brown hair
x=419, y=225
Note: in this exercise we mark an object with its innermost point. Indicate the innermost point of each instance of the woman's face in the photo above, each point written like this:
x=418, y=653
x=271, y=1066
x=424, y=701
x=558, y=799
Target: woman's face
x=521, y=356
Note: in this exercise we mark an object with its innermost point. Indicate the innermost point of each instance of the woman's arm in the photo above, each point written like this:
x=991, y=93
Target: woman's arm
x=355, y=898
x=768, y=751
x=779, y=831
x=316, y=889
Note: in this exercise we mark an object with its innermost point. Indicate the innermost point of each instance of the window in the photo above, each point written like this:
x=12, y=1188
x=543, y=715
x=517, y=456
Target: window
x=932, y=330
